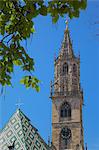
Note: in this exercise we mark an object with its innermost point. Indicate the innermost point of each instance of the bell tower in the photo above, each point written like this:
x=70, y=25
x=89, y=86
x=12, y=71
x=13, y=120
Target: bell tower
x=67, y=99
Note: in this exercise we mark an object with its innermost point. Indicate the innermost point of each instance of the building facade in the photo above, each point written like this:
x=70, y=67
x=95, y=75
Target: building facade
x=67, y=99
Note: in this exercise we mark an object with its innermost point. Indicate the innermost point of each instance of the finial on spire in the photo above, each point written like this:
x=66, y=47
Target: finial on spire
x=66, y=24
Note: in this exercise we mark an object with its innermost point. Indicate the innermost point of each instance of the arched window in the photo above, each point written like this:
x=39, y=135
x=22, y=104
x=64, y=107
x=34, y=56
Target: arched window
x=65, y=68
x=74, y=70
x=65, y=110
x=65, y=138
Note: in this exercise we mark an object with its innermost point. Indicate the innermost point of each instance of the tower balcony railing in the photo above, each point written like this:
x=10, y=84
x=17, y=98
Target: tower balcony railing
x=73, y=93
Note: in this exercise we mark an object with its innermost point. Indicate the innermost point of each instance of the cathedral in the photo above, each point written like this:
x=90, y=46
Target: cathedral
x=67, y=101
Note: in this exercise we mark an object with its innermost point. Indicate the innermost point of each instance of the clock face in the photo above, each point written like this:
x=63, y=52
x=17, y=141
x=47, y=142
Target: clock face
x=66, y=133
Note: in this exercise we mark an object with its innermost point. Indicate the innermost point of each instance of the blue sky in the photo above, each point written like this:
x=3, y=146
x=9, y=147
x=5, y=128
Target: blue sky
x=43, y=46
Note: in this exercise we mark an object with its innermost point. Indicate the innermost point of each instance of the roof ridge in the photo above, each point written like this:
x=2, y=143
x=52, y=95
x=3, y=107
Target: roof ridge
x=22, y=127
x=8, y=121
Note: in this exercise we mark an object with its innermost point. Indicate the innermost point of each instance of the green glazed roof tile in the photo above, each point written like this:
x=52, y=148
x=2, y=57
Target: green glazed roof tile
x=22, y=133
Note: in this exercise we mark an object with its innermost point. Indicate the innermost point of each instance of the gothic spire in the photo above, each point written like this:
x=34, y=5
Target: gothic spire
x=66, y=48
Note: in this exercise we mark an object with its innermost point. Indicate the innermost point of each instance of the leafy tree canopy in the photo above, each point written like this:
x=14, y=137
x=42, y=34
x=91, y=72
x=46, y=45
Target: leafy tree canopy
x=16, y=25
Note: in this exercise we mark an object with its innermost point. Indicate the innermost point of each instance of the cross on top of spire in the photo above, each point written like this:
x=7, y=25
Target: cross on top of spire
x=19, y=103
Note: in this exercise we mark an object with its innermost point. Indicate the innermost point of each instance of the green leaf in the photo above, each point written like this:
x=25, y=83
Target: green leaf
x=32, y=30
x=35, y=80
x=30, y=82
x=8, y=83
x=37, y=88
x=22, y=81
x=17, y=62
x=55, y=18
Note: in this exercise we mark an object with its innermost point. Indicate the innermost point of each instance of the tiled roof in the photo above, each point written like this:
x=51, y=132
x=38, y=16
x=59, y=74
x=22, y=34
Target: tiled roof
x=20, y=130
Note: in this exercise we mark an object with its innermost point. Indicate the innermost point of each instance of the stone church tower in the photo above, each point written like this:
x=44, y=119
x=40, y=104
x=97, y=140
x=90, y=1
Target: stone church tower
x=67, y=99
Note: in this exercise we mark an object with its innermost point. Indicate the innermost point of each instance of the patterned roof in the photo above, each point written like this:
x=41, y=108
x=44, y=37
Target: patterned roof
x=20, y=131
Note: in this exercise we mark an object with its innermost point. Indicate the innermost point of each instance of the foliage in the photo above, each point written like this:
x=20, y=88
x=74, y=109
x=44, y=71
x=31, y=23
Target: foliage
x=16, y=25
